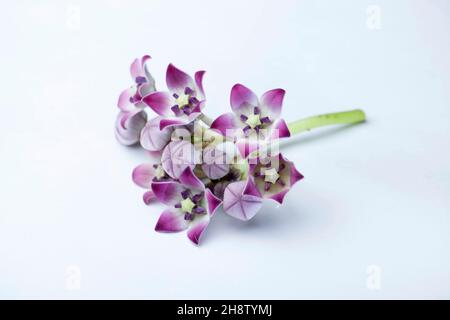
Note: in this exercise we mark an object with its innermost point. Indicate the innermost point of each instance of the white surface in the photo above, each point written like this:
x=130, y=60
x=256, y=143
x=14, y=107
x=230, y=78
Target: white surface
x=375, y=194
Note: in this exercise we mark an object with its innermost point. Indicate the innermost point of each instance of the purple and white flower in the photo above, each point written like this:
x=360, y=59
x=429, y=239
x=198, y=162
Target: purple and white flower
x=128, y=127
x=184, y=101
x=130, y=100
x=190, y=205
x=144, y=174
x=218, y=159
x=153, y=138
x=253, y=117
x=179, y=155
x=196, y=167
x=242, y=199
x=274, y=176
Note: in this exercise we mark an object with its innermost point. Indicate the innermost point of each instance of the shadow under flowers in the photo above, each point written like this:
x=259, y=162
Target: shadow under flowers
x=298, y=217
x=273, y=221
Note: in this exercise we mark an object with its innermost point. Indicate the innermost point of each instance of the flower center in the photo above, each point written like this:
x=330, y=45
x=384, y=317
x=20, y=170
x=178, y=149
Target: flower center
x=159, y=172
x=185, y=103
x=187, y=205
x=271, y=175
x=253, y=120
x=190, y=205
x=182, y=100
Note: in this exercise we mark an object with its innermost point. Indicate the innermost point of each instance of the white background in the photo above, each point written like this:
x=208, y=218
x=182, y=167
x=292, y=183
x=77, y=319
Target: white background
x=376, y=194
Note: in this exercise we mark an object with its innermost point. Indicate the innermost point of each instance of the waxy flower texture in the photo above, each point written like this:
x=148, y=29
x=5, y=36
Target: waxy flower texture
x=197, y=165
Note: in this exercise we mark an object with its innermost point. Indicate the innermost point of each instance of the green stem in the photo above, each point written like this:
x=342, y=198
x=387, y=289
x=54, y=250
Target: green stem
x=345, y=117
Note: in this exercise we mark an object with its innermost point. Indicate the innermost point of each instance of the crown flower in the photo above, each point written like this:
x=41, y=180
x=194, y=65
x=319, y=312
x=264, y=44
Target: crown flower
x=251, y=116
x=274, y=176
x=196, y=164
x=130, y=100
x=190, y=205
x=184, y=101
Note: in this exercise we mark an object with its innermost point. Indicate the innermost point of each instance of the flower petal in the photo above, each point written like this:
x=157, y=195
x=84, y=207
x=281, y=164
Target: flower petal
x=288, y=176
x=124, y=102
x=137, y=68
x=178, y=80
x=190, y=180
x=143, y=175
x=215, y=171
x=273, y=101
x=242, y=98
x=226, y=121
x=144, y=90
x=251, y=189
x=129, y=125
x=212, y=202
x=197, y=228
x=167, y=192
x=198, y=108
x=171, y=221
x=199, y=83
x=280, y=130
x=160, y=102
x=125, y=120
x=177, y=156
x=238, y=204
x=215, y=164
x=295, y=176
x=148, y=197
x=279, y=197
x=247, y=147
x=170, y=122
x=154, y=139
x=178, y=121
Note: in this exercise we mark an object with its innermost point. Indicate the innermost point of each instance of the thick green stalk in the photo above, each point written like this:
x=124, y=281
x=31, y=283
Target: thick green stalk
x=345, y=117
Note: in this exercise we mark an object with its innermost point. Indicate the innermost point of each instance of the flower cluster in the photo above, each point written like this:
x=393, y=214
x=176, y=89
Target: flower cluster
x=197, y=164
